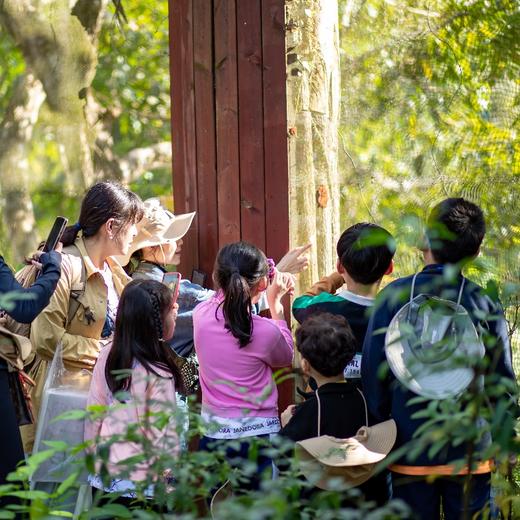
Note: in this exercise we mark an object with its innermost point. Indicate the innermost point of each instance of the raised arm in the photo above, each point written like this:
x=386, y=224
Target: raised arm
x=37, y=296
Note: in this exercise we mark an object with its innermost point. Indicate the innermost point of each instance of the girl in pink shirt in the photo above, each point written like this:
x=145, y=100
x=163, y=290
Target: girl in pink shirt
x=145, y=319
x=238, y=350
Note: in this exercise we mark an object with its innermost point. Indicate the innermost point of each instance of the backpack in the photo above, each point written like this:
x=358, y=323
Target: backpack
x=14, y=349
x=432, y=345
x=26, y=277
x=329, y=461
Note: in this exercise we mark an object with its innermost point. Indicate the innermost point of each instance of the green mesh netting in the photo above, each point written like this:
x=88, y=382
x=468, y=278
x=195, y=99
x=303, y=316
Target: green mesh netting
x=430, y=109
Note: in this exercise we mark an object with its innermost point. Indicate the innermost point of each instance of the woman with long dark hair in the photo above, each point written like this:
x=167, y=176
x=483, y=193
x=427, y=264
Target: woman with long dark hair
x=237, y=350
x=106, y=227
x=145, y=320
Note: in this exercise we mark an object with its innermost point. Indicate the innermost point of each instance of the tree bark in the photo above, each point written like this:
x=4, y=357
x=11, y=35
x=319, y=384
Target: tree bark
x=63, y=54
x=313, y=105
x=15, y=133
x=58, y=39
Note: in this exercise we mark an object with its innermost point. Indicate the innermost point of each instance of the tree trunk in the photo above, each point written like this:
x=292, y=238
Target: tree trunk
x=15, y=133
x=63, y=54
x=59, y=39
x=313, y=105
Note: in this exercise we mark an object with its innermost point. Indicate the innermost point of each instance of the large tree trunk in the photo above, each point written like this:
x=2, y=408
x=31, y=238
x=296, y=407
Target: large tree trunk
x=313, y=104
x=15, y=133
x=62, y=52
x=59, y=39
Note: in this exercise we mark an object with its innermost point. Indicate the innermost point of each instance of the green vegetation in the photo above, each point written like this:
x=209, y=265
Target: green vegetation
x=430, y=109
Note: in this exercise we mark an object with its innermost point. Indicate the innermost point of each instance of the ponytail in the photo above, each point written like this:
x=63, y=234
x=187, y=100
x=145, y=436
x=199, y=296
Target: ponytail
x=238, y=268
x=70, y=234
x=237, y=309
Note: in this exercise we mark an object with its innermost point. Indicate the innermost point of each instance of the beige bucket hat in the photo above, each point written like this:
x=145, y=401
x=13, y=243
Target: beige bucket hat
x=158, y=226
x=352, y=460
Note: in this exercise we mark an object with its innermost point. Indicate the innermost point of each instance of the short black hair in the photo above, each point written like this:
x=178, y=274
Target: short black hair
x=365, y=251
x=326, y=341
x=455, y=230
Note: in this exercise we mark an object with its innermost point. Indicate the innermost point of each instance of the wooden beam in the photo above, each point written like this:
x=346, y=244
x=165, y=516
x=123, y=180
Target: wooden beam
x=183, y=123
x=228, y=160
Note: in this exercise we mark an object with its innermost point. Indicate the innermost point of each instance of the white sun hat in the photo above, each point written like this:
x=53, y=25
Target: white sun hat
x=158, y=226
x=432, y=346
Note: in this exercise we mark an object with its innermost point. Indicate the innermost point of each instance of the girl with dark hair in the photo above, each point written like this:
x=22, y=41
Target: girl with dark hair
x=106, y=227
x=237, y=350
x=145, y=320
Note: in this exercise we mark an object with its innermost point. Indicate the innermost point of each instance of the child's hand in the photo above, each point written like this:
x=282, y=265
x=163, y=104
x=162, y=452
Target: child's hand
x=282, y=283
x=287, y=414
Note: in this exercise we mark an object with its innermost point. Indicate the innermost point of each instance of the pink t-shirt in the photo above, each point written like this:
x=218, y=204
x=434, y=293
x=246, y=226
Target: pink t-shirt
x=238, y=382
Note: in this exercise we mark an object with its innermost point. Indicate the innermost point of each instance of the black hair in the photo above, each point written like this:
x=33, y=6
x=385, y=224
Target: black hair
x=138, y=334
x=103, y=201
x=238, y=268
x=327, y=342
x=455, y=230
x=365, y=251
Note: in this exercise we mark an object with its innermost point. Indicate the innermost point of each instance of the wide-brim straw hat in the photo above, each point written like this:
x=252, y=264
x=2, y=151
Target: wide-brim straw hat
x=158, y=226
x=352, y=460
x=432, y=347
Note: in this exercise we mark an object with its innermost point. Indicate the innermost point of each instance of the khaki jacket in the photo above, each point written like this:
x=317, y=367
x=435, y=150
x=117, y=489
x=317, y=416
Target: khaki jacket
x=80, y=340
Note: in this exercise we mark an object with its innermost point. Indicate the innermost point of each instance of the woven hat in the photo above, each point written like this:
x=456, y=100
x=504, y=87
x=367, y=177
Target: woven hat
x=432, y=346
x=158, y=226
x=353, y=460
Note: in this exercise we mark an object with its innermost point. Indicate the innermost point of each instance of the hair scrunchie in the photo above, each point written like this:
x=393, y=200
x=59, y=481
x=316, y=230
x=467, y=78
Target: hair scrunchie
x=77, y=226
x=271, y=269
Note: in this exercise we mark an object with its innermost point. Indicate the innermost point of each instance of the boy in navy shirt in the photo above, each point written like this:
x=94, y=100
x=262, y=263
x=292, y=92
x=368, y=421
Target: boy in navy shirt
x=455, y=231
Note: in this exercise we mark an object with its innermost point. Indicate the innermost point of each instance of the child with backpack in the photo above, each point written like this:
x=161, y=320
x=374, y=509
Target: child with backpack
x=145, y=320
x=365, y=252
x=338, y=407
x=425, y=329
x=238, y=350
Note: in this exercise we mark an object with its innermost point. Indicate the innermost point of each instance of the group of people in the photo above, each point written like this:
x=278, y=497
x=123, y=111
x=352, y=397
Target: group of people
x=136, y=326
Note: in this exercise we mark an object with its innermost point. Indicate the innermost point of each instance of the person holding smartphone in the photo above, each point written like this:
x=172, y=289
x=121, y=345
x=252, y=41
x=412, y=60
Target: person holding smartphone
x=24, y=310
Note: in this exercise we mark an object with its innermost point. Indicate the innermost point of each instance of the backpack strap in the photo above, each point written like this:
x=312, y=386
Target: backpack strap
x=459, y=297
x=412, y=289
x=76, y=291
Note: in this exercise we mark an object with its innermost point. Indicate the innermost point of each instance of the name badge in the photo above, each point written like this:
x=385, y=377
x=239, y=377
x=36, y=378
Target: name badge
x=353, y=369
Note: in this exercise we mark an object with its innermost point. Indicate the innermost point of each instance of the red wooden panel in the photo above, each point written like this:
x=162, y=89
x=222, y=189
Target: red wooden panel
x=205, y=135
x=228, y=176
x=250, y=121
x=275, y=129
x=183, y=122
x=275, y=149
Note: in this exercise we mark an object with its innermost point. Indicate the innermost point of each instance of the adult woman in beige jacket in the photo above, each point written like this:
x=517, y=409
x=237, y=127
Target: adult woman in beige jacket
x=107, y=222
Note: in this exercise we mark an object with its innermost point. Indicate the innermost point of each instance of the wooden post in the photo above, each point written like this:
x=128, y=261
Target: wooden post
x=229, y=128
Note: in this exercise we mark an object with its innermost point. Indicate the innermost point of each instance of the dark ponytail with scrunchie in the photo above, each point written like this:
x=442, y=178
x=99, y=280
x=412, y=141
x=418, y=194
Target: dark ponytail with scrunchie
x=238, y=268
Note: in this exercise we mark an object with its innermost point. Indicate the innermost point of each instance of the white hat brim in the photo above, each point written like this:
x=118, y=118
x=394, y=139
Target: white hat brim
x=442, y=380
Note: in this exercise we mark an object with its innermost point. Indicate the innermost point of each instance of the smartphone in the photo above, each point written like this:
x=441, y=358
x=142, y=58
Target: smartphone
x=172, y=281
x=55, y=235
x=198, y=277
